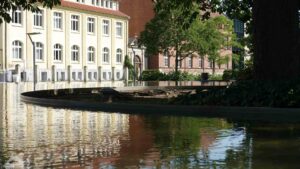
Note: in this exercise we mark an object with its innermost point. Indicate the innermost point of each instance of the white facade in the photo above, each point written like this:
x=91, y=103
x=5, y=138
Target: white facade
x=71, y=43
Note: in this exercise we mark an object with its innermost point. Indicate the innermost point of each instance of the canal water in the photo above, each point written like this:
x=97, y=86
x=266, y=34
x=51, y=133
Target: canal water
x=43, y=137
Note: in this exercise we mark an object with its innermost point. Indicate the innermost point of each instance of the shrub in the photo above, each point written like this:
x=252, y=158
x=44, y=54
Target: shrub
x=155, y=75
x=215, y=77
x=152, y=75
x=248, y=93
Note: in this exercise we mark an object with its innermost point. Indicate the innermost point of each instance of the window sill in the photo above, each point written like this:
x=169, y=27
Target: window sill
x=58, y=30
x=90, y=63
x=75, y=32
x=57, y=61
x=91, y=33
x=39, y=61
x=38, y=27
x=17, y=60
x=104, y=35
x=16, y=25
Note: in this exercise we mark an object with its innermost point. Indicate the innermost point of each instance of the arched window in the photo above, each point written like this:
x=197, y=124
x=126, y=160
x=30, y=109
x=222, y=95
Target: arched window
x=58, y=52
x=75, y=53
x=17, y=49
x=39, y=47
x=91, y=54
x=119, y=55
x=105, y=55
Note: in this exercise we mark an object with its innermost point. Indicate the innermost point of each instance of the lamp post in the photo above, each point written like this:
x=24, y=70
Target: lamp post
x=33, y=46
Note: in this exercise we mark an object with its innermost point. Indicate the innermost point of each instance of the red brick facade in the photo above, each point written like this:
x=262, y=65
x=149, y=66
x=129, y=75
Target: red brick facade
x=140, y=12
x=158, y=62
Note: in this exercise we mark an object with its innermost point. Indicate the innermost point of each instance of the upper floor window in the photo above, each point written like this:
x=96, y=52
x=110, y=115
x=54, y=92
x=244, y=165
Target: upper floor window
x=105, y=55
x=210, y=65
x=119, y=56
x=17, y=16
x=39, y=47
x=57, y=20
x=190, y=61
x=38, y=18
x=119, y=29
x=91, y=54
x=97, y=2
x=17, y=49
x=91, y=25
x=93, y=2
x=57, y=52
x=105, y=27
x=201, y=62
x=75, y=23
x=166, y=59
x=75, y=53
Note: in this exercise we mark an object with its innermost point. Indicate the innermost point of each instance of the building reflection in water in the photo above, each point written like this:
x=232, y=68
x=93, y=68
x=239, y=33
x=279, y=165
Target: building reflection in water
x=44, y=137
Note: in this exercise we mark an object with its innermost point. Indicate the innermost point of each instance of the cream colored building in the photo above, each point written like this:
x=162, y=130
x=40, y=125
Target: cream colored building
x=80, y=40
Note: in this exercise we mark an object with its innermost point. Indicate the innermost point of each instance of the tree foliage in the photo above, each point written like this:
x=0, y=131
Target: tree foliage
x=6, y=6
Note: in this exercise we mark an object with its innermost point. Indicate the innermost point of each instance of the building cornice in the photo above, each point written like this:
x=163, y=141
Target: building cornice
x=84, y=7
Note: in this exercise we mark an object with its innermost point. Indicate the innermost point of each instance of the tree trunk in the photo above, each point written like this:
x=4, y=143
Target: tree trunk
x=276, y=34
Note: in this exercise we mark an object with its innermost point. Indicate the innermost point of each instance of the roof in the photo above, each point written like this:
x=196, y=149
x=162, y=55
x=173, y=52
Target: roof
x=75, y=5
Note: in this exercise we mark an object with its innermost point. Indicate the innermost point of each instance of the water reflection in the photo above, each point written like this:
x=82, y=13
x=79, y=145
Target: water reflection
x=43, y=137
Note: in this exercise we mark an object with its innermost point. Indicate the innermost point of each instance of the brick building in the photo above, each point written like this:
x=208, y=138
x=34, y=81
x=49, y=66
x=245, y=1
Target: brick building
x=142, y=12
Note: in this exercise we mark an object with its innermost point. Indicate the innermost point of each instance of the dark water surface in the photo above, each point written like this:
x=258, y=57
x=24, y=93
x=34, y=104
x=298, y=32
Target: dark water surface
x=40, y=137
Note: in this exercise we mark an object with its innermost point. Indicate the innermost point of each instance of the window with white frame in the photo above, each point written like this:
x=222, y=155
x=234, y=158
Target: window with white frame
x=106, y=27
x=17, y=49
x=17, y=16
x=91, y=24
x=38, y=18
x=57, y=20
x=210, y=64
x=75, y=23
x=57, y=52
x=97, y=2
x=75, y=53
x=190, y=61
x=166, y=58
x=119, y=29
x=179, y=62
x=102, y=3
x=91, y=54
x=118, y=75
x=93, y=2
x=39, y=48
x=106, y=3
x=106, y=75
x=119, y=56
x=110, y=4
x=201, y=62
x=105, y=55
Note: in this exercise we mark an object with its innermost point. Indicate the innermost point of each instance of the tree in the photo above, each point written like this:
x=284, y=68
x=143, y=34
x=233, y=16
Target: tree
x=7, y=5
x=175, y=28
x=210, y=37
x=168, y=31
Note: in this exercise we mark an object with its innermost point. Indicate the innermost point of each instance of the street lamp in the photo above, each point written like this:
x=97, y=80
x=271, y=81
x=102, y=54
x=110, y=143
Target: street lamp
x=33, y=45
